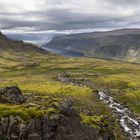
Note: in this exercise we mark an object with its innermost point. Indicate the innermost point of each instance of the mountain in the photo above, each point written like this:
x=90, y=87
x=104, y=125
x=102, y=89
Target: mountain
x=17, y=45
x=35, y=38
x=122, y=44
x=36, y=104
x=57, y=98
x=3, y=37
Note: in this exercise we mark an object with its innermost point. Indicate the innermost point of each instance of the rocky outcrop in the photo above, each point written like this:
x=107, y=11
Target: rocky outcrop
x=11, y=95
x=66, y=125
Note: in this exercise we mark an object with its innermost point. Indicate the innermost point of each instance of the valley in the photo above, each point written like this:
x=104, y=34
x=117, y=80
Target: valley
x=121, y=44
x=36, y=73
x=70, y=70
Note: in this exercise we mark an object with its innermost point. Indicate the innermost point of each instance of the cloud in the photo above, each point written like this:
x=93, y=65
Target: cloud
x=45, y=15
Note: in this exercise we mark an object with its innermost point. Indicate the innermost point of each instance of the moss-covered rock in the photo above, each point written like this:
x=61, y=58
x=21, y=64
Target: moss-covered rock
x=11, y=95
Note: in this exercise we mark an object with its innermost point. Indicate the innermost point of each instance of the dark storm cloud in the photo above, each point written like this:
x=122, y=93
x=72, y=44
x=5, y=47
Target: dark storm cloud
x=68, y=14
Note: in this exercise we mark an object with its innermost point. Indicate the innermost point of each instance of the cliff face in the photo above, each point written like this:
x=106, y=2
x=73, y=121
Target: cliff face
x=119, y=44
x=57, y=127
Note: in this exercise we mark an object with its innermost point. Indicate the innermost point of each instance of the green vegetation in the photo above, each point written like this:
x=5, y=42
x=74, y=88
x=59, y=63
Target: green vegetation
x=91, y=120
x=24, y=111
x=36, y=73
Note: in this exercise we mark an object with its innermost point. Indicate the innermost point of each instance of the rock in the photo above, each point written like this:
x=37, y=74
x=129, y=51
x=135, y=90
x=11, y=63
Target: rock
x=66, y=125
x=138, y=118
x=23, y=131
x=69, y=112
x=99, y=138
x=33, y=64
x=64, y=77
x=66, y=104
x=13, y=137
x=31, y=105
x=11, y=95
x=34, y=136
x=84, y=110
x=105, y=136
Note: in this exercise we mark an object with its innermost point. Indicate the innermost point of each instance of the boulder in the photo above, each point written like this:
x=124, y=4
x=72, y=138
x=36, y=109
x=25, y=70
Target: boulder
x=34, y=136
x=11, y=95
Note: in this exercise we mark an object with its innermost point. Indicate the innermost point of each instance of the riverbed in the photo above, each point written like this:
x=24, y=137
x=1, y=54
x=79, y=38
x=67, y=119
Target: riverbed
x=126, y=118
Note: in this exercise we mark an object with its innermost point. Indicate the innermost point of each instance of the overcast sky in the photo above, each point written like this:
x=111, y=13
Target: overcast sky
x=59, y=15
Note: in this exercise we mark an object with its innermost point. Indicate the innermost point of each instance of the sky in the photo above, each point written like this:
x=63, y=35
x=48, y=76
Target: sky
x=33, y=16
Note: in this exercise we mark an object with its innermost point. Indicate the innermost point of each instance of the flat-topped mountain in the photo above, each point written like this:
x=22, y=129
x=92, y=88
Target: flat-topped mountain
x=123, y=44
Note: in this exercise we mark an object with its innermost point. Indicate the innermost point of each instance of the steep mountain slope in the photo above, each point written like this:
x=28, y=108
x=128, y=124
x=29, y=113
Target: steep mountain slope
x=3, y=37
x=121, y=44
x=8, y=44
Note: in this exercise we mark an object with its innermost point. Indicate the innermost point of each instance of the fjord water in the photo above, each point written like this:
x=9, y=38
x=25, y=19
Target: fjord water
x=64, y=52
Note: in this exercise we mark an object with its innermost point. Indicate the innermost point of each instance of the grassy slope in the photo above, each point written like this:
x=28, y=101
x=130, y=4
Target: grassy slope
x=122, y=80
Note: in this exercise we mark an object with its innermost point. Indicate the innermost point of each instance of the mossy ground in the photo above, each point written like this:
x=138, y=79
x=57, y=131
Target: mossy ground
x=120, y=78
x=91, y=120
x=26, y=113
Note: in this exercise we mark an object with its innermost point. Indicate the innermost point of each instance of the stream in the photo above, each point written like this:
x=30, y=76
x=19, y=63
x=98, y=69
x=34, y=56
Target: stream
x=128, y=122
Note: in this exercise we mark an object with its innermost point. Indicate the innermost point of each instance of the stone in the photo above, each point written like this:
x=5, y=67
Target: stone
x=34, y=136
x=11, y=95
x=99, y=138
x=66, y=104
x=69, y=112
x=66, y=125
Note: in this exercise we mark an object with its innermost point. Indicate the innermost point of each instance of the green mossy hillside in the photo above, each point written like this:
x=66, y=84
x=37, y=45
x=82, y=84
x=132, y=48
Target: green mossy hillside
x=37, y=74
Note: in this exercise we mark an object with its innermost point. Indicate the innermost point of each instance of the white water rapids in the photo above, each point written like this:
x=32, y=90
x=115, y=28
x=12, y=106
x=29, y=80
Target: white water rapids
x=128, y=122
x=126, y=118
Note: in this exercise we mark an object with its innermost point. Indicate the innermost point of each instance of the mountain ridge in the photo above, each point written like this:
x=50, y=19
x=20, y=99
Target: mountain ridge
x=7, y=43
x=122, y=44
